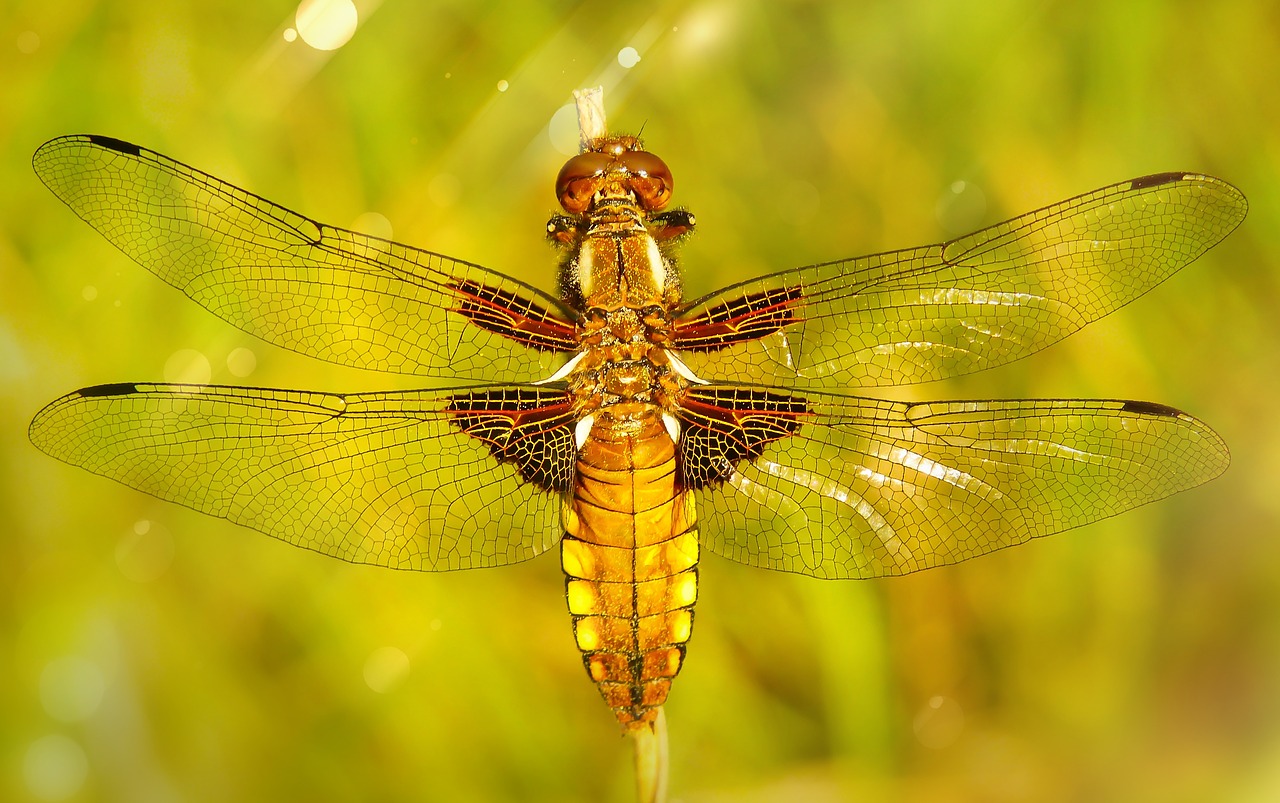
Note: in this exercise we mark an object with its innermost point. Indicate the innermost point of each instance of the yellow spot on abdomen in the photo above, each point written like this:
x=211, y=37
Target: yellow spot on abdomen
x=582, y=597
x=684, y=591
x=587, y=633
x=681, y=626
x=576, y=558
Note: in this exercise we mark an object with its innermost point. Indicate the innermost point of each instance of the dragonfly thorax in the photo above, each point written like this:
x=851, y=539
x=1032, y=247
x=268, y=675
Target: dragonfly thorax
x=623, y=280
x=612, y=270
x=616, y=237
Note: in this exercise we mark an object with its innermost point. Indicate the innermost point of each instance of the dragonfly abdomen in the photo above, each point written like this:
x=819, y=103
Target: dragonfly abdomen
x=629, y=555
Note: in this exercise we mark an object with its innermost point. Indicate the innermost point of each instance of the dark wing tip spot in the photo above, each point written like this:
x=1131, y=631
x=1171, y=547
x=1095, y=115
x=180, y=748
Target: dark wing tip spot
x=1156, y=179
x=1151, y=408
x=115, y=144
x=113, y=389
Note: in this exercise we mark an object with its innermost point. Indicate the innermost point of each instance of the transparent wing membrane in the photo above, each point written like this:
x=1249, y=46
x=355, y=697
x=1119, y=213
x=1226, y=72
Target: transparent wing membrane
x=333, y=294
x=380, y=478
x=979, y=301
x=870, y=488
x=785, y=476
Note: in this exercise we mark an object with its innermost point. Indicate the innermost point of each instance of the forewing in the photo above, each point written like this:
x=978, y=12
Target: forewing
x=338, y=295
x=403, y=480
x=867, y=488
x=944, y=310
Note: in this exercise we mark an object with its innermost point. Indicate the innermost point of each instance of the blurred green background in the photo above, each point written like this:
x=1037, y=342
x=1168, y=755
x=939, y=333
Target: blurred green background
x=148, y=653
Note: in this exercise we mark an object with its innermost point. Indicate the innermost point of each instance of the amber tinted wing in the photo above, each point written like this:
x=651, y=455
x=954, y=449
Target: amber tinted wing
x=403, y=479
x=334, y=294
x=869, y=488
x=976, y=302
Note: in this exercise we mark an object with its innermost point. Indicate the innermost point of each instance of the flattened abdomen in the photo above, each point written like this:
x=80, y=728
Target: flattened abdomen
x=630, y=553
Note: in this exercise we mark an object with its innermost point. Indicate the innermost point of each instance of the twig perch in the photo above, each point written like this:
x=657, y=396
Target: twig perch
x=652, y=759
x=591, y=122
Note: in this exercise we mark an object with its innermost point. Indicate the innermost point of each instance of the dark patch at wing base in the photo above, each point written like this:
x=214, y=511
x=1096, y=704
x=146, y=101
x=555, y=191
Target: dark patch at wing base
x=507, y=314
x=531, y=429
x=725, y=425
x=738, y=320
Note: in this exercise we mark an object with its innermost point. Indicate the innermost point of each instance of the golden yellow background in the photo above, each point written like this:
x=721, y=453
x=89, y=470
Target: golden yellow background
x=148, y=653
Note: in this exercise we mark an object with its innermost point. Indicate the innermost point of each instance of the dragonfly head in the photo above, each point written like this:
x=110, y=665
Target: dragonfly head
x=614, y=166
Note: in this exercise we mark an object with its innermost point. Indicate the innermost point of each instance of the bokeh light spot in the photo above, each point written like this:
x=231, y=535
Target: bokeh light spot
x=89, y=293
x=939, y=723
x=144, y=554
x=503, y=86
x=54, y=767
x=188, y=367
x=71, y=688
x=241, y=362
x=28, y=42
x=705, y=27
x=960, y=208
x=563, y=130
x=385, y=668
x=628, y=57
x=290, y=35
x=374, y=224
x=327, y=24
x=444, y=189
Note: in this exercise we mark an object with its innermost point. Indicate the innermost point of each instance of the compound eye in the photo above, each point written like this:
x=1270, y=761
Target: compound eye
x=579, y=179
x=649, y=178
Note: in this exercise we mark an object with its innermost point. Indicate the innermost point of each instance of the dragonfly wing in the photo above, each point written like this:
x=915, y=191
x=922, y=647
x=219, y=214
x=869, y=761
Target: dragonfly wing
x=426, y=480
x=846, y=487
x=943, y=310
x=337, y=295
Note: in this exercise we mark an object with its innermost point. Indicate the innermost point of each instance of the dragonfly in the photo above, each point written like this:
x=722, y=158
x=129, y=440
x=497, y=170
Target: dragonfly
x=615, y=419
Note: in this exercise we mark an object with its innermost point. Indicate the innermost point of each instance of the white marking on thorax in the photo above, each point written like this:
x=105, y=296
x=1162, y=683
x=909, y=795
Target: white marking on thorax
x=672, y=425
x=583, y=430
x=683, y=370
x=564, y=371
x=585, y=266
x=656, y=266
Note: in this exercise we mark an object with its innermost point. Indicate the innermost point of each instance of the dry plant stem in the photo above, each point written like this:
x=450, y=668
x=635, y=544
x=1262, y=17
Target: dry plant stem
x=649, y=739
x=591, y=122
x=652, y=761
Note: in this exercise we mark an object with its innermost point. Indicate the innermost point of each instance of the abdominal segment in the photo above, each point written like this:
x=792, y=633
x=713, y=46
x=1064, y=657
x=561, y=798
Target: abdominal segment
x=629, y=555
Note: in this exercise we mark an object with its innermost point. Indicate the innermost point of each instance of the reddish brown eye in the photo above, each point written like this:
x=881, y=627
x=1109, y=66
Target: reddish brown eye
x=579, y=179
x=650, y=179
x=576, y=196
